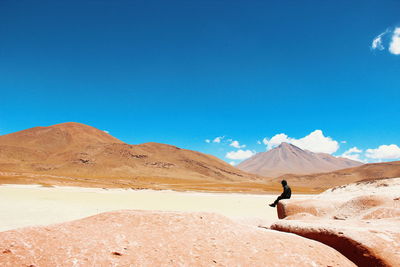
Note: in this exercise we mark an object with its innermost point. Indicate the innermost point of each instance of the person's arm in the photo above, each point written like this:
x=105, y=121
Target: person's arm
x=285, y=192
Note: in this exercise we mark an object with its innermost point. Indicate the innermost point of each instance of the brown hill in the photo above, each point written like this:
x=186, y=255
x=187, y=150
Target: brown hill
x=371, y=171
x=287, y=158
x=58, y=138
x=74, y=153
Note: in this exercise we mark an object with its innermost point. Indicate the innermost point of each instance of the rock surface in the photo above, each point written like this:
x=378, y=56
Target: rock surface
x=144, y=238
x=359, y=220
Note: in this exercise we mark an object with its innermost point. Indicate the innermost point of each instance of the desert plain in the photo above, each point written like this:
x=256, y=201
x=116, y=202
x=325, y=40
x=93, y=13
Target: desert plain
x=33, y=205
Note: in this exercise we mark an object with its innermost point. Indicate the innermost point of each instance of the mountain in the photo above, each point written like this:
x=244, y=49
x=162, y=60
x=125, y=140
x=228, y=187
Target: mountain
x=58, y=138
x=287, y=158
x=74, y=153
x=366, y=172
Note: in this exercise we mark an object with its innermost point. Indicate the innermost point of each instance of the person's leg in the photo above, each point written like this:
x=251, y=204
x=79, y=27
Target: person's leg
x=275, y=202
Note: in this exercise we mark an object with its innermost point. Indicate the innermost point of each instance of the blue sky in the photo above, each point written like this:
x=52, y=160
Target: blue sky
x=181, y=72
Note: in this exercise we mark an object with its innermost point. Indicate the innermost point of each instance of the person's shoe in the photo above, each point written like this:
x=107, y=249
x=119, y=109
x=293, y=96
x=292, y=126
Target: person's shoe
x=272, y=205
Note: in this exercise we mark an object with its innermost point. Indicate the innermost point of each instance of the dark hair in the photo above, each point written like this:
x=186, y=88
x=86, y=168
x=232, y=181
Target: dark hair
x=283, y=182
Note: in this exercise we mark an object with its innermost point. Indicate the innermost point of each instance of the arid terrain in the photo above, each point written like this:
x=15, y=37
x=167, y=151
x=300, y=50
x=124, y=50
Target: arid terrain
x=365, y=172
x=35, y=205
x=190, y=228
x=75, y=154
x=350, y=225
x=73, y=149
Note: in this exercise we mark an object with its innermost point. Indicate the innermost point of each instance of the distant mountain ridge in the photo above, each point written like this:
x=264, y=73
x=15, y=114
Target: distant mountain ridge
x=290, y=159
x=365, y=172
x=81, y=155
x=78, y=150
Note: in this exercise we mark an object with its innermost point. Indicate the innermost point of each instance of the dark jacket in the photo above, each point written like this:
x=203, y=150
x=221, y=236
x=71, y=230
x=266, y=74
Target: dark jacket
x=287, y=192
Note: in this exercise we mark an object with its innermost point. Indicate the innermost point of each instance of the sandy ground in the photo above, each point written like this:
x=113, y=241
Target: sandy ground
x=28, y=205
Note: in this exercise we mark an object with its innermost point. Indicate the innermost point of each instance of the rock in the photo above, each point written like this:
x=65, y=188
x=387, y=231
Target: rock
x=145, y=238
x=362, y=243
x=287, y=207
x=361, y=221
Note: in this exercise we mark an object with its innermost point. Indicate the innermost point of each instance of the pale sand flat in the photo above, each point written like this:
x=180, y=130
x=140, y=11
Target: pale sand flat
x=29, y=205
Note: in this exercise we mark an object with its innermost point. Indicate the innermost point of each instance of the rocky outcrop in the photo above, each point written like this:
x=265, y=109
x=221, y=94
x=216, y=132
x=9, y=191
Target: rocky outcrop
x=359, y=220
x=144, y=238
x=293, y=209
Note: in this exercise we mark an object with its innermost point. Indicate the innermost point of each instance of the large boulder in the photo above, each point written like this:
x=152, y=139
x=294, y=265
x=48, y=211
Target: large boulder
x=145, y=238
x=359, y=220
x=288, y=208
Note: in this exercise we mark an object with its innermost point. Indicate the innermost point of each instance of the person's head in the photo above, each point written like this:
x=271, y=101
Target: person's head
x=283, y=182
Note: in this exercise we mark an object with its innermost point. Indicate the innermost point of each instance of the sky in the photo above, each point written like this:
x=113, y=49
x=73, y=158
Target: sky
x=228, y=78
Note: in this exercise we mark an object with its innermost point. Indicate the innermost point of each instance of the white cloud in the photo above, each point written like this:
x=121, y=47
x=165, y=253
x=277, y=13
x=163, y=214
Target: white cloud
x=353, y=154
x=377, y=42
x=276, y=140
x=354, y=150
x=315, y=142
x=207, y=141
x=240, y=154
x=236, y=144
x=107, y=132
x=218, y=139
x=343, y=142
x=384, y=152
x=232, y=163
x=394, y=47
x=259, y=142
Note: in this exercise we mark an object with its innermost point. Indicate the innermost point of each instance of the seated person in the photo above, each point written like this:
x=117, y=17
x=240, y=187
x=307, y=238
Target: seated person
x=287, y=193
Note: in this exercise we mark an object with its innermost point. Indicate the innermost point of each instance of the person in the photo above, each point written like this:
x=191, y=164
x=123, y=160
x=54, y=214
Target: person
x=286, y=194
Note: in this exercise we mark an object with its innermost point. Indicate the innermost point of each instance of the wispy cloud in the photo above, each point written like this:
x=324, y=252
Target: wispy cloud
x=240, y=154
x=218, y=139
x=353, y=153
x=236, y=144
x=377, y=42
x=389, y=38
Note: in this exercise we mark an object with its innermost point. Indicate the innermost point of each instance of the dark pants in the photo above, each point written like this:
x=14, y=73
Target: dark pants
x=279, y=198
